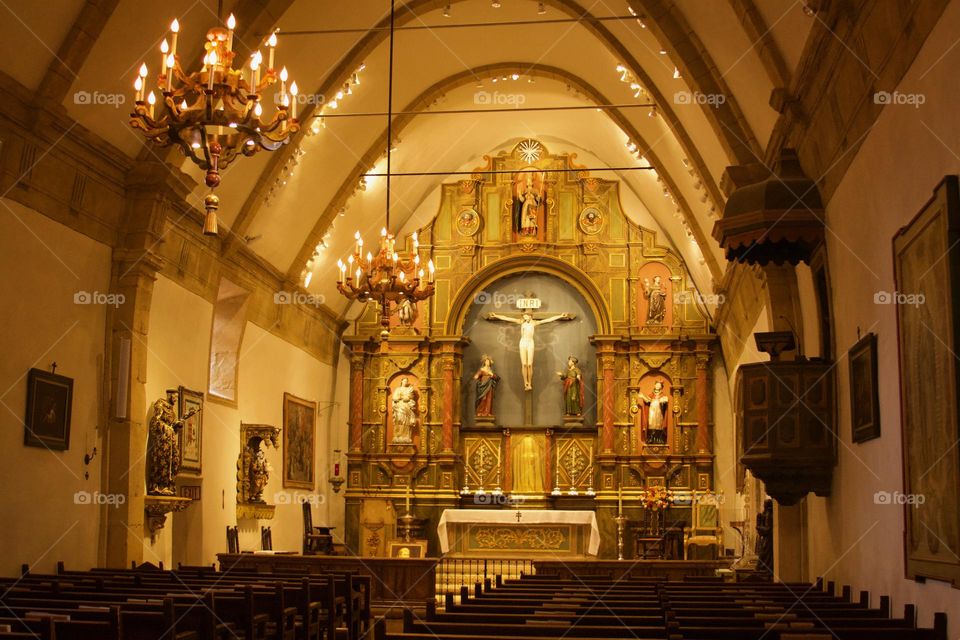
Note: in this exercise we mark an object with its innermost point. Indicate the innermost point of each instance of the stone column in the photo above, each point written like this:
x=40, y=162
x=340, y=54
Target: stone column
x=703, y=402
x=153, y=192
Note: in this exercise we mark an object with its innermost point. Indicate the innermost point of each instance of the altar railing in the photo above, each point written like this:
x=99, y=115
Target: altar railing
x=453, y=573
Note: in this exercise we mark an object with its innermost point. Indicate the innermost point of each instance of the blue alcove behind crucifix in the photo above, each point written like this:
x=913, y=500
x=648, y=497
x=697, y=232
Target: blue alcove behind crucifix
x=555, y=341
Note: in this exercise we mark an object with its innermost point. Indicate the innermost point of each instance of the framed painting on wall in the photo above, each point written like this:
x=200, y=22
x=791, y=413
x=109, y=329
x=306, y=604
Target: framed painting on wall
x=190, y=438
x=927, y=271
x=299, y=422
x=49, y=404
x=864, y=396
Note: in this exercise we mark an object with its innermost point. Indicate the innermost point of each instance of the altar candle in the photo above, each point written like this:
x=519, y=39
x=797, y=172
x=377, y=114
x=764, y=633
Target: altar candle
x=408, y=499
x=619, y=501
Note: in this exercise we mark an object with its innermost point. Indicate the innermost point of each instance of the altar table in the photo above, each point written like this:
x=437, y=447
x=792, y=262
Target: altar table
x=495, y=531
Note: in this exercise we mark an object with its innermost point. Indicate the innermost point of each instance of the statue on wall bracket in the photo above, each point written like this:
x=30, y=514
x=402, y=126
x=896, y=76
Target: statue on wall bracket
x=528, y=325
x=572, y=380
x=486, y=384
x=163, y=450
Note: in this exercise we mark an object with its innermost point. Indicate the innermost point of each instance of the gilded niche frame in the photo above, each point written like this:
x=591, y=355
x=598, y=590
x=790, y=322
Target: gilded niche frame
x=927, y=271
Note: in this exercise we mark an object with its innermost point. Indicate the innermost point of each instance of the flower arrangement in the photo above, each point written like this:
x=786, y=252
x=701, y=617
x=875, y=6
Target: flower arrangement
x=656, y=498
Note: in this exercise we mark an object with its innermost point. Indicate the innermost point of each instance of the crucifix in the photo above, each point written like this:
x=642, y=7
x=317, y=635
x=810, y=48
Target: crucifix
x=528, y=324
x=519, y=515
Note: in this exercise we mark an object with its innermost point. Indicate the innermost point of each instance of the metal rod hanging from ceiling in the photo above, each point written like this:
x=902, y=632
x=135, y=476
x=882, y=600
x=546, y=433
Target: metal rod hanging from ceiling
x=399, y=174
x=390, y=108
x=462, y=25
x=443, y=112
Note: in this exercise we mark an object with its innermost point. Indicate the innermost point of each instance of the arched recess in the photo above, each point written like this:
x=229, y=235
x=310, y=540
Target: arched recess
x=226, y=336
x=577, y=278
x=729, y=132
x=421, y=102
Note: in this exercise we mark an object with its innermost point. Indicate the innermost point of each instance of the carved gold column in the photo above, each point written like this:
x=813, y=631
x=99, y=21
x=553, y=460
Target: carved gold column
x=446, y=412
x=356, y=398
x=548, y=460
x=703, y=410
x=505, y=462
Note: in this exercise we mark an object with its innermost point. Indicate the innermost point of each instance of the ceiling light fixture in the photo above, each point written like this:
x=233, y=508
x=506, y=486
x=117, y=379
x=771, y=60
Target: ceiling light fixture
x=389, y=277
x=214, y=115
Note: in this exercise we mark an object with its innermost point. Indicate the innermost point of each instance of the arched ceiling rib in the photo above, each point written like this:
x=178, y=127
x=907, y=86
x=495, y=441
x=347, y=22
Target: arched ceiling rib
x=424, y=100
x=730, y=132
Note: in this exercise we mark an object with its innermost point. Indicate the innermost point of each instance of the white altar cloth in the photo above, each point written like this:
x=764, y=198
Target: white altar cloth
x=528, y=516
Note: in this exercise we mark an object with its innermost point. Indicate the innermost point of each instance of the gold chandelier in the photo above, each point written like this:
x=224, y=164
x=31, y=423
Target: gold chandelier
x=215, y=114
x=387, y=277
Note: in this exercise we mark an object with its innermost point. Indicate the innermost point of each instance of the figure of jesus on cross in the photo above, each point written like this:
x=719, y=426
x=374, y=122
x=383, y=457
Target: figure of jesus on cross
x=528, y=325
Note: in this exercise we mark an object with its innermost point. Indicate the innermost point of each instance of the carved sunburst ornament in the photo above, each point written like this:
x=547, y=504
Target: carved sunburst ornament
x=530, y=151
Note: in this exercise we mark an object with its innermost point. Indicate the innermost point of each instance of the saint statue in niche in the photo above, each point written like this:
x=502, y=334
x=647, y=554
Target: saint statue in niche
x=572, y=380
x=654, y=420
x=528, y=327
x=163, y=451
x=656, y=295
x=528, y=192
x=487, y=382
x=404, y=399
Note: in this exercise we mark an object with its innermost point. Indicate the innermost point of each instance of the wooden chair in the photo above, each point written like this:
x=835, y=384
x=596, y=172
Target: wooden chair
x=233, y=540
x=315, y=539
x=266, y=539
x=705, y=529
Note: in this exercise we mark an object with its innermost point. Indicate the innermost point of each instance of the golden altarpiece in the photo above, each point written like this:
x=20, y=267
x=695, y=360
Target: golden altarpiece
x=530, y=231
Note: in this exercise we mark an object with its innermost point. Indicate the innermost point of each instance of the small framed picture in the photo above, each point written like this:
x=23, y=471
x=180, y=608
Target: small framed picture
x=864, y=403
x=191, y=436
x=412, y=549
x=49, y=403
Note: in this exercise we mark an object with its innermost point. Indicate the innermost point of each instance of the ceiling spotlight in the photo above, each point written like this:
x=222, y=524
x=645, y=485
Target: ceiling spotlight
x=495, y=4
x=541, y=9
x=663, y=51
x=653, y=112
x=676, y=73
x=515, y=76
x=446, y=11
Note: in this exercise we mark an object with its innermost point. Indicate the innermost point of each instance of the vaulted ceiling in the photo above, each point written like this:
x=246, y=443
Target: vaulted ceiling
x=728, y=55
